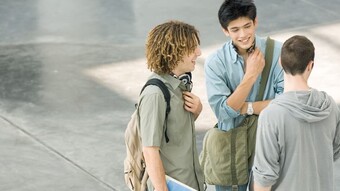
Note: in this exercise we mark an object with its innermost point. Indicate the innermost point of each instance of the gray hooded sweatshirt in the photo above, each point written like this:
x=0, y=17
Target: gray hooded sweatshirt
x=298, y=140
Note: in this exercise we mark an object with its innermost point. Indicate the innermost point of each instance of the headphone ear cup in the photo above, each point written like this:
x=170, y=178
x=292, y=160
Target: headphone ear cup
x=185, y=78
x=190, y=76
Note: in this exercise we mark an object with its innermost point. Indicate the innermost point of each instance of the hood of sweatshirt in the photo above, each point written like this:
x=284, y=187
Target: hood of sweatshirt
x=310, y=106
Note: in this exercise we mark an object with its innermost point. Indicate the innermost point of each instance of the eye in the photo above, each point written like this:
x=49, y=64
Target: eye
x=247, y=26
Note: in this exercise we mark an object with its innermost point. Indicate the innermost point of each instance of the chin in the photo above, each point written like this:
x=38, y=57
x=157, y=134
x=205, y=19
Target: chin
x=246, y=46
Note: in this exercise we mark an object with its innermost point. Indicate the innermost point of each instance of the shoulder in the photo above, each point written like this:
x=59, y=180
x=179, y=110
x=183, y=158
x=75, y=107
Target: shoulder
x=273, y=112
x=334, y=105
x=272, y=119
x=151, y=100
x=262, y=43
x=151, y=89
x=154, y=90
x=277, y=44
x=220, y=57
x=263, y=40
x=220, y=53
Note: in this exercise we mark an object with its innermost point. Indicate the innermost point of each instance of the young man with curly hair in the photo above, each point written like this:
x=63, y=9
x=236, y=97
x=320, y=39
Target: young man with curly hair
x=171, y=51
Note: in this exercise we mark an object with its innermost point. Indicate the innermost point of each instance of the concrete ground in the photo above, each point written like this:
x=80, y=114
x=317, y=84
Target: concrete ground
x=70, y=73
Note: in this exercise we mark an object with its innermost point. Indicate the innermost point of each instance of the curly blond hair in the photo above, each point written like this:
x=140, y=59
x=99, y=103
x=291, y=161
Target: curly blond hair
x=167, y=43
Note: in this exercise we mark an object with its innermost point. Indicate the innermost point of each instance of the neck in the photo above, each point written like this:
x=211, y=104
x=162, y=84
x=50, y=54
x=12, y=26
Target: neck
x=295, y=83
x=243, y=53
x=175, y=72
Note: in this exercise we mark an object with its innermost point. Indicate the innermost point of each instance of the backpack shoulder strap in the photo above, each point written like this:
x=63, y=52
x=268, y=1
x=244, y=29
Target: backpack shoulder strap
x=265, y=73
x=162, y=86
x=166, y=93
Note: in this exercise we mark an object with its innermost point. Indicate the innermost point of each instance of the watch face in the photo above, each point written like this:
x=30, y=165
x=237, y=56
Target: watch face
x=250, y=109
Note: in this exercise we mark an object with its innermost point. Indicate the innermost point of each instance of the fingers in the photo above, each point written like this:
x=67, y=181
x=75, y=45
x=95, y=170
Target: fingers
x=255, y=52
x=189, y=99
x=255, y=62
x=256, y=55
x=192, y=103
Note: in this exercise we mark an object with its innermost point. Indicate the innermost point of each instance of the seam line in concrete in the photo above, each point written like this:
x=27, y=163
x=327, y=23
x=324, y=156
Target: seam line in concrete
x=57, y=153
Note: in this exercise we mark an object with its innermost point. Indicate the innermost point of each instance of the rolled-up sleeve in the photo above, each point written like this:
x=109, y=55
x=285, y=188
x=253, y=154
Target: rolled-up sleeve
x=278, y=79
x=218, y=91
x=266, y=167
x=277, y=70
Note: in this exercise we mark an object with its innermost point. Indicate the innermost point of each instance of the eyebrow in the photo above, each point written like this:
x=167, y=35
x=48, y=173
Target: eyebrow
x=249, y=23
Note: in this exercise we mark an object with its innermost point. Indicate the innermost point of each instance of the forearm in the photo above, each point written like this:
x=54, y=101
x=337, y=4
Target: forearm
x=257, y=187
x=154, y=167
x=253, y=67
x=237, y=99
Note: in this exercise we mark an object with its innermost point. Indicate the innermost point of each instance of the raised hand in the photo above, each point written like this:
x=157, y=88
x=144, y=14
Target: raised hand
x=192, y=103
x=254, y=64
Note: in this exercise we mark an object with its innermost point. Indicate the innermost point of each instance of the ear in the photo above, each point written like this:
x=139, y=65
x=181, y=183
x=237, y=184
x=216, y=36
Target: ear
x=310, y=65
x=226, y=32
x=255, y=22
x=280, y=61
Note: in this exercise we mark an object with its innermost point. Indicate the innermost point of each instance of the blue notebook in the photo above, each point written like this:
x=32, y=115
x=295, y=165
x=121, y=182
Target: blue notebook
x=175, y=185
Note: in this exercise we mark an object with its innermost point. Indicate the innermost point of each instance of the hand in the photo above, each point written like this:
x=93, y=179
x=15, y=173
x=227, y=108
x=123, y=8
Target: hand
x=192, y=103
x=255, y=64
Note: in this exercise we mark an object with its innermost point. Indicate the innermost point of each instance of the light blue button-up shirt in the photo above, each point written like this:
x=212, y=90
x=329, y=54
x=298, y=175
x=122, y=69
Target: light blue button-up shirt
x=224, y=71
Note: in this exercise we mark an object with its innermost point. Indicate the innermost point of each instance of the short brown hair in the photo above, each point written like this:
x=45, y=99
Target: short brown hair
x=167, y=43
x=296, y=53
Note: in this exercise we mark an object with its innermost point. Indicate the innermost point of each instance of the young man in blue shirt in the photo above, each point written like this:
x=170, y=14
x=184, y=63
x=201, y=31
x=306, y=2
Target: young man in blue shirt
x=233, y=72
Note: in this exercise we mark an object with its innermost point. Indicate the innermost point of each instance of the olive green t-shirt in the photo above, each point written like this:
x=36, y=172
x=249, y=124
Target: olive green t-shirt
x=179, y=155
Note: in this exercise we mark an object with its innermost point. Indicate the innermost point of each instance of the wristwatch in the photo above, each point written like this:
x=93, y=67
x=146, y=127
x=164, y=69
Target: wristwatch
x=250, y=110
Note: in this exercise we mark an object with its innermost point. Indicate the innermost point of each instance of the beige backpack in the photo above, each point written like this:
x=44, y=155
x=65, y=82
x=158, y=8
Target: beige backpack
x=134, y=164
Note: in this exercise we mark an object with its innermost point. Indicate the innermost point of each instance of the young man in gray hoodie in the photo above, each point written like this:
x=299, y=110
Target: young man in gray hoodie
x=298, y=135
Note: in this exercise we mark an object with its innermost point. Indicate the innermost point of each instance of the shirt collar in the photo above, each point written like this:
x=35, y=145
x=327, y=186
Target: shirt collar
x=174, y=83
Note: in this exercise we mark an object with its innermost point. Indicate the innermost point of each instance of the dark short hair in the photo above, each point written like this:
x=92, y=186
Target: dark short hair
x=231, y=10
x=296, y=53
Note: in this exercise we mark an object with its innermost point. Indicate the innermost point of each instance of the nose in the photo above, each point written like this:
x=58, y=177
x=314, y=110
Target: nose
x=242, y=32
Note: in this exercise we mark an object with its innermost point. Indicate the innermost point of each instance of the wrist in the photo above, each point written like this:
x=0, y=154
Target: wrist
x=250, y=109
x=250, y=77
x=243, y=110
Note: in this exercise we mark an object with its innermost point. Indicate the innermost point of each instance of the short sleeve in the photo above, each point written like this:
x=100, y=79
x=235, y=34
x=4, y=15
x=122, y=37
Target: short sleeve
x=151, y=117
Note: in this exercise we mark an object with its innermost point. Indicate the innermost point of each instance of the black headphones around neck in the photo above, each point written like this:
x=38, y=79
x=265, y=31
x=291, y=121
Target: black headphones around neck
x=186, y=79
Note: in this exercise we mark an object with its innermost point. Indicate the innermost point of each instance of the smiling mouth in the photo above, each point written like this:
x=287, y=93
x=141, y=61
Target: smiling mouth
x=245, y=40
x=243, y=43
